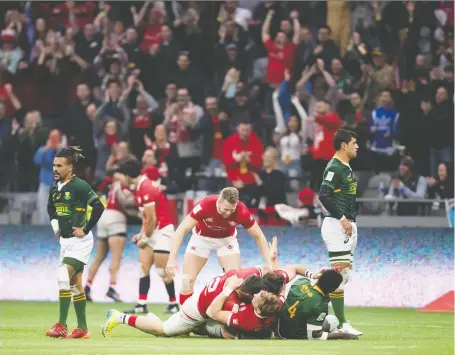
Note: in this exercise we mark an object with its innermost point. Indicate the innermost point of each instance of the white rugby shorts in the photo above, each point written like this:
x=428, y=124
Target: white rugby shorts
x=202, y=246
x=76, y=248
x=111, y=223
x=185, y=320
x=161, y=239
x=334, y=237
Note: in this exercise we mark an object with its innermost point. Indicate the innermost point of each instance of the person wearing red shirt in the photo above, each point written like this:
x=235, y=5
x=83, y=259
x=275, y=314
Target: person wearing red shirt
x=111, y=233
x=280, y=52
x=327, y=123
x=154, y=239
x=213, y=222
x=242, y=157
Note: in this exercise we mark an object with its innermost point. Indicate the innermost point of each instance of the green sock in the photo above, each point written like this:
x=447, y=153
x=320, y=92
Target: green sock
x=337, y=299
x=64, y=299
x=79, y=306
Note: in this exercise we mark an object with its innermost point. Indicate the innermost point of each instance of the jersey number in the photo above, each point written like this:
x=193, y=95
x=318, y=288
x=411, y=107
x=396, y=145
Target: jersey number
x=214, y=284
x=293, y=309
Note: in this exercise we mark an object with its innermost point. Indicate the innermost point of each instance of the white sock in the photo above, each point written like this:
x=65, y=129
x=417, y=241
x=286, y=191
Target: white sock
x=122, y=318
x=142, y=302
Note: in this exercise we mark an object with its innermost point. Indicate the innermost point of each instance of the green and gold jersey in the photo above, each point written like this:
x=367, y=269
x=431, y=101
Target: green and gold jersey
x=341, y=180
x=70, y=201
x=305, y=309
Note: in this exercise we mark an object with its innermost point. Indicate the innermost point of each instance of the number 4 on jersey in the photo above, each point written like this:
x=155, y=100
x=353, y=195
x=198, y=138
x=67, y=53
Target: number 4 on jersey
x=293, y=309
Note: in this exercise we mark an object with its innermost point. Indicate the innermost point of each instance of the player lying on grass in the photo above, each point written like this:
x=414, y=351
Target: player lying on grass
x=308, y=300
x=214, y=222
x=249, y=308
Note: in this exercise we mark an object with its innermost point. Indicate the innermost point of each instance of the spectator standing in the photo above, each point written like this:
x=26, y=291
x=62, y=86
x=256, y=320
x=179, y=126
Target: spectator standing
x=384, y=130
x=441, y=185
x=440, y=130
x=242, y=157
x=44, y=158
x=291, y=148
x=10, y=53
x=322, y=150
x=180, y=119
x=281, y=52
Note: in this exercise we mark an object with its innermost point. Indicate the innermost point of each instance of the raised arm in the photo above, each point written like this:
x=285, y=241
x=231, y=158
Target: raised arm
x=266, y=26
x=296, y=25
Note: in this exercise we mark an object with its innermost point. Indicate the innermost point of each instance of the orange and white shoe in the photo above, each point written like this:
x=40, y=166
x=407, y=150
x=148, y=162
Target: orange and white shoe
x=57, y=331
x=79, y=333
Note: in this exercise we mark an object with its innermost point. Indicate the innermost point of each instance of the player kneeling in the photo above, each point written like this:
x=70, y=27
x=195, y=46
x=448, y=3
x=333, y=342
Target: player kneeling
x=304, y=314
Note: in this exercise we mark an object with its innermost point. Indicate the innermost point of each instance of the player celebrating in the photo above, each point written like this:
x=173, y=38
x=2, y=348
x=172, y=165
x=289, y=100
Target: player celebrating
x=68, y=200
x=154, y=240
x=339, y=230
x=111, y=233
x=214, y=222
x=304, y=314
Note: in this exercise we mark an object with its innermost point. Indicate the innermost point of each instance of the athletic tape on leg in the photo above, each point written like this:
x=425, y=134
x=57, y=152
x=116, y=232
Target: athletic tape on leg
x=75, y=291
x=346, y=274
x=63, y=278
x=186, y=282
x=160, y=271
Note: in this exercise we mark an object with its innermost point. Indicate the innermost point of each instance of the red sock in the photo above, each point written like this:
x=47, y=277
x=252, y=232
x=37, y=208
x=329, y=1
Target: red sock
x=183, y=298
x=172, y=300
x=112, y=283
x=89, y=282
x=132, y=321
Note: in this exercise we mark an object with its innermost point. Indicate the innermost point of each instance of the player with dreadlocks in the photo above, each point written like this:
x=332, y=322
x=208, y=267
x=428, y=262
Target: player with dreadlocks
x=67, y=208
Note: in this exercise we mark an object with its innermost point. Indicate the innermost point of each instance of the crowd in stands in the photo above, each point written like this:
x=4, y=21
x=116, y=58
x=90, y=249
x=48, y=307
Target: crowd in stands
x=249, y=91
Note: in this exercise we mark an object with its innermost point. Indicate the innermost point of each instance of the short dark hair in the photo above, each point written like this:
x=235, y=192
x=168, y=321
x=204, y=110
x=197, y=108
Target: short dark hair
x=342, y=136
x=253, y=284
x=273, y=282
x=113, y=81
x=130, y=167
x=329, y=281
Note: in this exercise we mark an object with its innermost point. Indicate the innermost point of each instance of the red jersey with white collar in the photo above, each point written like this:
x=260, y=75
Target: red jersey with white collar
x=213, y=225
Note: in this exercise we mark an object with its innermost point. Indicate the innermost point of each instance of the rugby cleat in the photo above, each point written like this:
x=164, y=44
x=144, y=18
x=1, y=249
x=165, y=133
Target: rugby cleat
x=79, y=333
x=57, y=331
x=112, y=294
x=348, y=328
x=172, y=308
x=111, y=322
x=138, y=309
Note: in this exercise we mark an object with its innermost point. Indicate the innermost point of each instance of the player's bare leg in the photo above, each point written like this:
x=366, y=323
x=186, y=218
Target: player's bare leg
x=337, y=298
x=192, y=266
x=146, y=258
x=116, y=247
x=230, y=262
x=80, y=303
x=64, y=274
x=148, y=324
x=161, y=259
x=101, y=253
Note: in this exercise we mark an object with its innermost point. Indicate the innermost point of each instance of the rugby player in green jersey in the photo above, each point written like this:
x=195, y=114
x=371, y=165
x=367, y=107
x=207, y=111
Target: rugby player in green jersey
x=67, y=208
x=304, y=313
x=339, y=230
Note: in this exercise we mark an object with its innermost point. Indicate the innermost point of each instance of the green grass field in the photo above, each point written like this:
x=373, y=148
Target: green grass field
x=387, y=331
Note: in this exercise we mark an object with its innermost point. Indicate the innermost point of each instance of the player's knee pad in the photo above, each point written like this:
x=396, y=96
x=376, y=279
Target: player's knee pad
x=63, y=278
x=161, y=272
x=346, y=274
x=186, y=282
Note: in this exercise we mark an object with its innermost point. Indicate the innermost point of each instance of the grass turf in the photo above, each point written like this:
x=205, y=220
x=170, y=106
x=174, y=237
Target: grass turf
x=387, y=331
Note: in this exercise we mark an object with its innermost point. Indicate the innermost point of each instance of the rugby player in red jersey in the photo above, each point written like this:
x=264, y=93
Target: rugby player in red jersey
x=157, y=231
x=214, y=222
x=111, y=237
